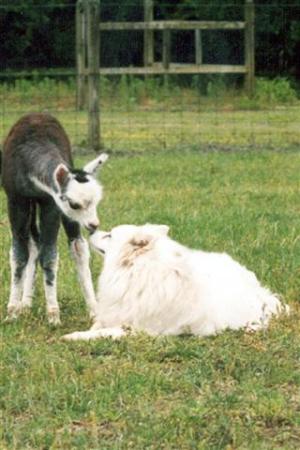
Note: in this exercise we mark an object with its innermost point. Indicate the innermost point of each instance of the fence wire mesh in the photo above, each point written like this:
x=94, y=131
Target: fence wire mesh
x=140, y=113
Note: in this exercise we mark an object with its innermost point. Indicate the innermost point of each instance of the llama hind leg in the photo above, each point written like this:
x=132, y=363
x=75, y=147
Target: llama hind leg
x=30, y=271
x=18, y=266
x=19, y=216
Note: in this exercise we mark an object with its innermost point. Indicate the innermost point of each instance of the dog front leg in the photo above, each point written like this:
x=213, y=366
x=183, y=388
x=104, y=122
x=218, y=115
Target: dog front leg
x=90, y=335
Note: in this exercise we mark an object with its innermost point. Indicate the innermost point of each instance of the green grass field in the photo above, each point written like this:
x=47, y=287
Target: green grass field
x=143, y=115
x=232, y=391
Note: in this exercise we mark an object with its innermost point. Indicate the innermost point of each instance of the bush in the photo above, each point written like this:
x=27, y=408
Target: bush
x=278, y=90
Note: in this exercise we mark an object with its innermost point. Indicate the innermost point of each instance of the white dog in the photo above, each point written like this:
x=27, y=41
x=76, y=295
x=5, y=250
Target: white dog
x=153, y=284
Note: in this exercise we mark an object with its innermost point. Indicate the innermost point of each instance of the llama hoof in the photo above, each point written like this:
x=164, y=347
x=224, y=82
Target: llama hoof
x=25, y=307
x=53, y=317
x=13, y=313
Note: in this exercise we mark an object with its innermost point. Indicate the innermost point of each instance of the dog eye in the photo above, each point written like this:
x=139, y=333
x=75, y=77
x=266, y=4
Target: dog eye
x=107, y=236
x=74, y=205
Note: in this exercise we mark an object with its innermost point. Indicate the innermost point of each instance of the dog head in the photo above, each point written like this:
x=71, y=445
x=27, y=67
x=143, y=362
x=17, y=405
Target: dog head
x=124, y=243
x=78, y=192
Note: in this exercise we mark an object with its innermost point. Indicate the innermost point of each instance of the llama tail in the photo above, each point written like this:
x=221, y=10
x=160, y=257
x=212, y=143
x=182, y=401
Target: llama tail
x=33, y=223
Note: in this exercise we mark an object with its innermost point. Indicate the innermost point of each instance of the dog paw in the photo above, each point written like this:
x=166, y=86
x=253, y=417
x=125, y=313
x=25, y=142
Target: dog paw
x=71, y=336
x=113, y=333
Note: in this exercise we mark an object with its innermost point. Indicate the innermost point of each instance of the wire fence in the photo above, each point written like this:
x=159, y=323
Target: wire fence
x=156, y=112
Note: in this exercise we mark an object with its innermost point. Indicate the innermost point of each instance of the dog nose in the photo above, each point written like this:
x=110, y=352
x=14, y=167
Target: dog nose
x=92, y=227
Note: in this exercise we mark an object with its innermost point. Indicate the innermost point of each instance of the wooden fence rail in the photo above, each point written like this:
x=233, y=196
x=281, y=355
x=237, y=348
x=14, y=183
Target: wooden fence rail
x=88, y=32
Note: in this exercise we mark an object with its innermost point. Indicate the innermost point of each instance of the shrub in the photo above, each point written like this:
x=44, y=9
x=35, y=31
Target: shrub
x=278, y=90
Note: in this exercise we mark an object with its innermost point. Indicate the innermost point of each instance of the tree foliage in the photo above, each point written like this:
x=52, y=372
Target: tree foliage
x=35, y=33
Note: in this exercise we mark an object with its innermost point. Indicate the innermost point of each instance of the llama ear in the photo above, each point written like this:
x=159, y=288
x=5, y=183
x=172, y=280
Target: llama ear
x=93, y=165
x=61, y=175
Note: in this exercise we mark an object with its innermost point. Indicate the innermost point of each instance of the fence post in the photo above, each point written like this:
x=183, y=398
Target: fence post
x=198, y=47
x=166, y=54
x=249, y=47
x=93, y=57
x=166, y=48
x=148, y=34
x=80, y=53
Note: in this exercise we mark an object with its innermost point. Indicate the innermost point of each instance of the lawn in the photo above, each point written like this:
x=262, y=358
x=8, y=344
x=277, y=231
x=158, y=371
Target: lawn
x=232, y=391
x=139, y=116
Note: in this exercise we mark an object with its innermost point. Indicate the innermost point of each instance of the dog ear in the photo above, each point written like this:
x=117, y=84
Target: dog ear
x=141, y=240
x=93, y=165
x=158, y=230
x=138, y=245
x=163, y=229
x=61, y=175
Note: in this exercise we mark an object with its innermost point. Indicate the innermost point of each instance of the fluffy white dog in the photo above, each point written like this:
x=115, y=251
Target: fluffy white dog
x=153, y=284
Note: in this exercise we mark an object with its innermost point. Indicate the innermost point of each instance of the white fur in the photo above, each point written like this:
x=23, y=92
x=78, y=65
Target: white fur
x=153, y=284
x=81, y=255
x=86, y=195
x=16, y=289
x=30, y=271
x=53, y=312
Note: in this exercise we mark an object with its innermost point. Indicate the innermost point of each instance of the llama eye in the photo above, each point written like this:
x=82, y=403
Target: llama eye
x=74, y=205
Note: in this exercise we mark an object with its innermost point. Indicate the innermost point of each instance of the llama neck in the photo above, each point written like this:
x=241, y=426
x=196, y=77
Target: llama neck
x=43, y=175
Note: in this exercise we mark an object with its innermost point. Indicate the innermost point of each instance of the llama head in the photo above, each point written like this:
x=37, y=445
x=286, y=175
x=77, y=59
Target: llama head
x=78, y=192
x=124, y=243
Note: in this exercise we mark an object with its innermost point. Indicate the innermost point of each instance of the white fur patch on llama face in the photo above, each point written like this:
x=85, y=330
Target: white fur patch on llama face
x=77, y=193
x=79, y=202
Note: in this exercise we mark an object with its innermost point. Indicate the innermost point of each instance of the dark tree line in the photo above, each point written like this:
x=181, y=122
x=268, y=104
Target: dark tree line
x=36, y=33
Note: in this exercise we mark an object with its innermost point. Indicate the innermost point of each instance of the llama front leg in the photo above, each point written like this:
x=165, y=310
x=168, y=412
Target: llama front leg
x=49, y=264
x=49, y=226
x=81, y=255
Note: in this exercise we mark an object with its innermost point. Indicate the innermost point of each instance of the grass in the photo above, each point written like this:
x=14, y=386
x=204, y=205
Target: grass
x=232, y=391
x=139, y=115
